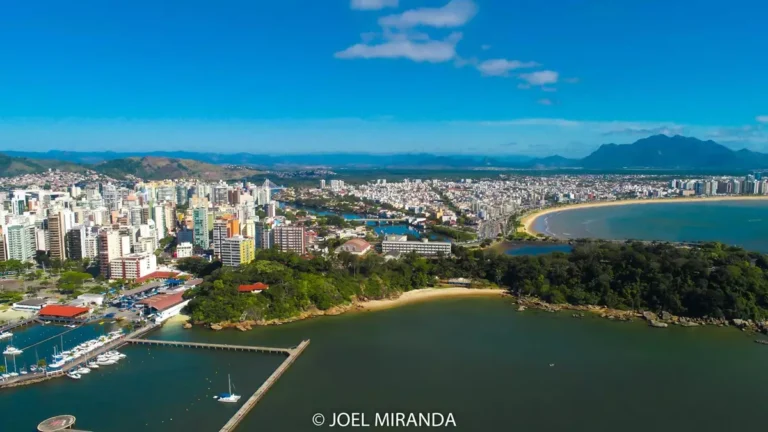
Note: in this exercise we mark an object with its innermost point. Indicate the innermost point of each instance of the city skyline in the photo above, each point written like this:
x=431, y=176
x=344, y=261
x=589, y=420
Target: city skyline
x=381, y=76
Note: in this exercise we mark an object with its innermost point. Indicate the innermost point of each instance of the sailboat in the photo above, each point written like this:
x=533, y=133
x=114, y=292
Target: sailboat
x=5, y=335
x=229, y=397
x=11, y=350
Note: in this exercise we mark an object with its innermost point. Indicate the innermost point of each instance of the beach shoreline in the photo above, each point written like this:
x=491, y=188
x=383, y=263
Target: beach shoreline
x=528, y=221
x=409, y=297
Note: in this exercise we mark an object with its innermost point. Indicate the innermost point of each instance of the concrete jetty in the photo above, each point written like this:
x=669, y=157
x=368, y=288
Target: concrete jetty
x=226, y=347
x=261, y=391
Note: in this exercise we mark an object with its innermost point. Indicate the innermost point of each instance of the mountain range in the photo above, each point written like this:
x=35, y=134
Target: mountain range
x=654, y=152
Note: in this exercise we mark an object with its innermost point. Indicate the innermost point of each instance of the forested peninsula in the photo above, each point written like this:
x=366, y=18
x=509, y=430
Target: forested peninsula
x=710, y=280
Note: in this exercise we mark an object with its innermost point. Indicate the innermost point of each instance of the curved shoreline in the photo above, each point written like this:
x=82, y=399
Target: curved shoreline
x=529, y=219
x=408, y=297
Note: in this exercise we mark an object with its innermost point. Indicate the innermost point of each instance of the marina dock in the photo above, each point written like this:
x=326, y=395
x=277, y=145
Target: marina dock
x=261, y=391
x=269, y=350
x=38, y=377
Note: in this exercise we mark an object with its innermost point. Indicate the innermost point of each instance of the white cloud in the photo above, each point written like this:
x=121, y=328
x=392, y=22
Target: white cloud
x=533, y=122
x=372, y=4
x=669, y=130
x=454, y=14
x=401, y=45
x=501, y=67
x=762, y=118
x=545, y=101
x=540, y=78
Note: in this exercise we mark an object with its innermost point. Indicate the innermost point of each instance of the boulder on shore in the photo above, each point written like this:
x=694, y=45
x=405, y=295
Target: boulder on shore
x=666, y=316
x=187, y=325
x=216, y=327
x=739, y=322
x=521, y=308
x=648, y=315
x=658, y=324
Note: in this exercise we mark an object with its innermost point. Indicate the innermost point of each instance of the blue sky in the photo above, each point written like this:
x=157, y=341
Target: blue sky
x=444, y=76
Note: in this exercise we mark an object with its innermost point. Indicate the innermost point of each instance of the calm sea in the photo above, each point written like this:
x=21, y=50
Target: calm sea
x=493, y=368
x=742, y=223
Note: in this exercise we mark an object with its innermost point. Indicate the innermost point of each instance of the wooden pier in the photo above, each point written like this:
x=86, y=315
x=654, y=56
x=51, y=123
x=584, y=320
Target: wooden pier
x=181, y=344
x=261, y=391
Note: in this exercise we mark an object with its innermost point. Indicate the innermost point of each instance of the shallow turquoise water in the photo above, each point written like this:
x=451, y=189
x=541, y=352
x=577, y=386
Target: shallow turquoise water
x=742, y=223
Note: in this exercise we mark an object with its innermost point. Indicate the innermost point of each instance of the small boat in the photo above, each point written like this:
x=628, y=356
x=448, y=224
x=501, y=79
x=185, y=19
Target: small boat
x=92, y=364
x=23, y=371
x=83, y=370
x=33, y=369
x=762, y=341
x=73, y=375
x=11, y=350
x=229, y=397
x=5, y=335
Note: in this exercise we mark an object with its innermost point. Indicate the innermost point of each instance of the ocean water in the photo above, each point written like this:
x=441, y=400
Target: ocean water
x=741, y=223
x=492, y=368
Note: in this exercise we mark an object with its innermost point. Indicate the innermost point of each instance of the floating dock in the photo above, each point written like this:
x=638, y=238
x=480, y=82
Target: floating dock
x=261, y=391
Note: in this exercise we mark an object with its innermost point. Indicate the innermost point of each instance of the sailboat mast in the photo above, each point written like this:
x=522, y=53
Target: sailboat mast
x=229, y=378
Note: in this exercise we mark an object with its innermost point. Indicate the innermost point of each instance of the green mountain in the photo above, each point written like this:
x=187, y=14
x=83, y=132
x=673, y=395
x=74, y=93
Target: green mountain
x=662, y=151
x=14, y=166
x=159, y=168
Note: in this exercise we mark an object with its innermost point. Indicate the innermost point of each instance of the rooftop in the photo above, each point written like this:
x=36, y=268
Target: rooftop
x=258, y=286
x=33, y=302
x=63, y=311
x=162, y=302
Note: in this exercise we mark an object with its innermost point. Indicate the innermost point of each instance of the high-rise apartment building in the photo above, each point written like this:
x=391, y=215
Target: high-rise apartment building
x=56, y=236
x=200, y=227
x=109, y=249
x=237, y=250
x=76, y=243
x=21, y=241
x=290, y=239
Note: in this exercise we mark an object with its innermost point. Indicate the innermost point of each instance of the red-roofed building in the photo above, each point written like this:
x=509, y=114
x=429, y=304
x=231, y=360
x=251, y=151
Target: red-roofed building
x=158, y=275
x=165, y=306
x=253, y=288
x=63, y=312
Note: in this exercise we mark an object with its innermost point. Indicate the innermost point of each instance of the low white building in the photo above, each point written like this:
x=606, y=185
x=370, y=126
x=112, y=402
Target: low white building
x=32, y=305
x=97, y=299
x=423, y=247
x=164, y=306
x=184, y=250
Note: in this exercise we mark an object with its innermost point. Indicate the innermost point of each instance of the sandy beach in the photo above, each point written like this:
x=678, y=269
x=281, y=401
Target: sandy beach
x=429, y=294
x=529, y=219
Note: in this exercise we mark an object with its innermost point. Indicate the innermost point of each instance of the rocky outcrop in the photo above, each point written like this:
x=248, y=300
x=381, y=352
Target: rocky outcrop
x=658, y=324
x=187, y=325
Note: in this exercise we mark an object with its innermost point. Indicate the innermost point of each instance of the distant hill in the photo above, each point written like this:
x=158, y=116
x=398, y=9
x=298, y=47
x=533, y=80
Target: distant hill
x=662, y=151
x=159, y=168
x=14, y=166
x=654, y=152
